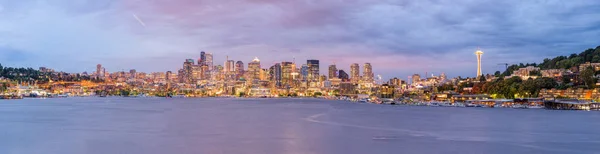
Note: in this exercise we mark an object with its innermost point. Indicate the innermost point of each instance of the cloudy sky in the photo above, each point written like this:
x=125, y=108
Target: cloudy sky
x=399, y=37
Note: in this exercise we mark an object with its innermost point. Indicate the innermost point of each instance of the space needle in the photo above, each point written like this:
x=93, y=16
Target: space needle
x=478, y=53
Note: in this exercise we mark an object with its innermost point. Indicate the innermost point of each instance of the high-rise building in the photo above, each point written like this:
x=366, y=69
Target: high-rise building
x=254, y=69
x=275, y=74
x=313, y=70
x=355, y=73
x=332, y=71
x=304, y=72
x=396, y=82
x=202, y=59
x=188, y=71
x=368, y=74
x=99, y=70
x=181, y=75
x=168, y=76
x=209, y=61
x=239, y=69
x=343, y=76
x=231, y=66
x=132, y=73
x=286, y=73
x=416, y=78
x=478, y=53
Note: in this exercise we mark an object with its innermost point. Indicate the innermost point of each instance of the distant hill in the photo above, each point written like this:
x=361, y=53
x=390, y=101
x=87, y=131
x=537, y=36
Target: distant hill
x=564, y=62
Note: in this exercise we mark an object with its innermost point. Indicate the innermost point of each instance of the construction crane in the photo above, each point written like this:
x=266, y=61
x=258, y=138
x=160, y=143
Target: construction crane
x=505, y=65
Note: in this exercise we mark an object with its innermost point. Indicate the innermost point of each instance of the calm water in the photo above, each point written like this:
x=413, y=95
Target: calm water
x=278, y=126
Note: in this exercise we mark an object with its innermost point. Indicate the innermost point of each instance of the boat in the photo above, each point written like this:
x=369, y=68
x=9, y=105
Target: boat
x=470, y=105
x=535, y=107
x=519, y=106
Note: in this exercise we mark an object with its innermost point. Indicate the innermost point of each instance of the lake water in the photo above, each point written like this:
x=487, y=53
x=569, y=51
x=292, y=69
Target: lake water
x=284, y=126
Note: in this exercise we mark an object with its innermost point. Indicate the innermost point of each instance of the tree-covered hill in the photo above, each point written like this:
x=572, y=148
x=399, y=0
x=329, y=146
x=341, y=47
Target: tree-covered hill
x=562, y=62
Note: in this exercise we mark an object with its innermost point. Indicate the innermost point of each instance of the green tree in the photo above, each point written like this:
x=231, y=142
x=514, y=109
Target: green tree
x=587, y=75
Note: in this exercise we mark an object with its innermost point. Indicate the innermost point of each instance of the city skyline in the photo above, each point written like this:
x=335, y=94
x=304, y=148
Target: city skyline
x=156, y=36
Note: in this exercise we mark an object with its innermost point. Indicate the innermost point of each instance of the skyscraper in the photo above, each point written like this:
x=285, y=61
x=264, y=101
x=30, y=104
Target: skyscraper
x=99, y=70
x=368, y=73
x=304, y=72
x=209, y=61
x=332, y=71
x=188, y=71
x=343, y=75
x=275, y=74
x=202, y=59
x=313, y=70
x=254, y=68
x=478, y=53
x=355, y=72
x=239, y=69
x=286, y=73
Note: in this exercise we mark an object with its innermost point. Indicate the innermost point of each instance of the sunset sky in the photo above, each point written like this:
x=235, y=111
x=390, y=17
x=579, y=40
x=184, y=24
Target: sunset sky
x=398, y=37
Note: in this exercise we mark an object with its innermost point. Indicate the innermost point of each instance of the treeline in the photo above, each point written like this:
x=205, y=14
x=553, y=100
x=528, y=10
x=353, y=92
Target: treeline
x=33, y=75
x=21, y=74
x=561, y=62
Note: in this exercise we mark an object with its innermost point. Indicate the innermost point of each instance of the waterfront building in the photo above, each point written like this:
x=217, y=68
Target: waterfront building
x=348, y=88
x=343, y=76
x=332, y=71
x=478, y=53
x=355, y=73
x=386, y=91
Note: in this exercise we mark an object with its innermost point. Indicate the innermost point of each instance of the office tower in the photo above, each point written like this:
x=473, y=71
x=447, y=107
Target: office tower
x=275, y=74
x=478, y=53
x=304, y=72
x=368, y=74
x=332, y=71
x=99, y=70
x=132, y=74
x=209, y=61
x=202, y=59
x=239, y=69
x=254, y=69
x=286, y=73
x=355, y=73
x=188, y=71
x=343, y=75
x=313, y=70
x=181, y=75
